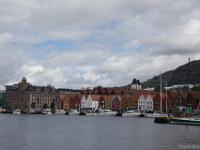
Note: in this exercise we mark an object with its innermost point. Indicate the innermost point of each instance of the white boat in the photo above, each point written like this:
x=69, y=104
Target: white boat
x=131, y=113
x=74, y=112
x=154, y=115
x=106, y=112
x=60, y=112
x=16, y=111
x=47, y=111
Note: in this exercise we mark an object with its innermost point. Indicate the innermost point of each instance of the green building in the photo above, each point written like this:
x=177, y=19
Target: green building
x=2, y=98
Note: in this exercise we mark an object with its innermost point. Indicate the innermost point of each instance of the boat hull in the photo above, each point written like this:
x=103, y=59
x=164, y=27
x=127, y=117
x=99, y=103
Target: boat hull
x=73, y=113
x=16, y=113
x=47, y=113
x=60, y=112
x=185, y=121
x=107, y=114
x=154, y=115
x=131, y=114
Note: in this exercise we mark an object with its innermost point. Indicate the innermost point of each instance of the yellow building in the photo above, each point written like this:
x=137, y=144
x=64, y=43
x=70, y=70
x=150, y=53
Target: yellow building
x=65, y=101
x=108, y=101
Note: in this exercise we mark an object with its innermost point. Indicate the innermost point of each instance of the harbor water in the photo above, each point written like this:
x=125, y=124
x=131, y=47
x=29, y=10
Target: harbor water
x=60, y=132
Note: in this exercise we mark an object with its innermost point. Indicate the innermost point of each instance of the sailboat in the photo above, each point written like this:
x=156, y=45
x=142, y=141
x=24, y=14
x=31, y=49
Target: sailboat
x=161, y=113
x=186, y=120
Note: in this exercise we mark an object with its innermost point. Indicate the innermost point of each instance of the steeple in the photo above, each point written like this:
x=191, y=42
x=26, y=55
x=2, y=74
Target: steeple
x=24, y=80
x=135, y=85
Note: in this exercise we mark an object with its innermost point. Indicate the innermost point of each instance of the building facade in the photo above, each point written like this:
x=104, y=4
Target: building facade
x=27, y=97
x=75, y=102
x=2, y=98
x=116, y=103
x=145, y=103
x=90, y=102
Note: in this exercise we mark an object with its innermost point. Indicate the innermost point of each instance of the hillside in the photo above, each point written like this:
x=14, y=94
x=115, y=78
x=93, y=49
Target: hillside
x=188, y=73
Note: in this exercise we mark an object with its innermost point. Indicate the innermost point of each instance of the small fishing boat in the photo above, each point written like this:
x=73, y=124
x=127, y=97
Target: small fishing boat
x=34, y=112
x=131, y=113
x=47, y=111
x=185, y=121
x=106, y=112
x=74, y=112
x=60, y=112
x=16, y=111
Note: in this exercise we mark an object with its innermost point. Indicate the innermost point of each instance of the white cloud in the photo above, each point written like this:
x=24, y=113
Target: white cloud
x=32, y=70
x=109, y=42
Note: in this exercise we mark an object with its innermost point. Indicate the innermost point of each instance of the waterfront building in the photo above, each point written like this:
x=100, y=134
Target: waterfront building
x=102, y=103
x=125, y=100
x=128, y=101
x=116, y=103
x=90, y=102
x=108, y=101
x=75, y=102
x=194, y=100
x=59, y=101
x=145, y=103
x=27, y=97
x=2, y=98
x=66, y=101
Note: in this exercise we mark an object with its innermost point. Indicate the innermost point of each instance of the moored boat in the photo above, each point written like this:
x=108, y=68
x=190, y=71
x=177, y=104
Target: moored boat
x=16, y=111
x=162, y=120
x=74, y=112
x=131, y=113
x=60, y=112
x=91, y=113
x=155, y=115
x=185, y=121
x=46, y=111
x=106, y=112
x=34, y=112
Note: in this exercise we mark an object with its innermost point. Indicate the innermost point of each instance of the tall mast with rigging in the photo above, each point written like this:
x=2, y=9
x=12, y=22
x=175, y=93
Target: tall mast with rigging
x=161, y=110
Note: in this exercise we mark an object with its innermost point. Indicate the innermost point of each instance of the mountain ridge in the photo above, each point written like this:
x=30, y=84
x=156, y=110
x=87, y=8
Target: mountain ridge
x=185, y=74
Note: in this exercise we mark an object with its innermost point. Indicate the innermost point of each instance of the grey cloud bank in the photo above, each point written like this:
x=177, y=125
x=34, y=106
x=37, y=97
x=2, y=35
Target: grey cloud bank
x=95, y=42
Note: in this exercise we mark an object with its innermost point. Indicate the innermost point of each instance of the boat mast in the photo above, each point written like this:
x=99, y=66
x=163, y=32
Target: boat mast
x=187, y=87
x=166, y=98
x=180, y=96
x=198, y=106
x=161, y=94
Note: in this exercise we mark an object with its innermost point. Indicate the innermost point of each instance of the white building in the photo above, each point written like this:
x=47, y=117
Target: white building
x=89, y=103
x=145, y=103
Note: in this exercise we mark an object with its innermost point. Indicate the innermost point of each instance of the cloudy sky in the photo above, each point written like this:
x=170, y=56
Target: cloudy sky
x=85, y=43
